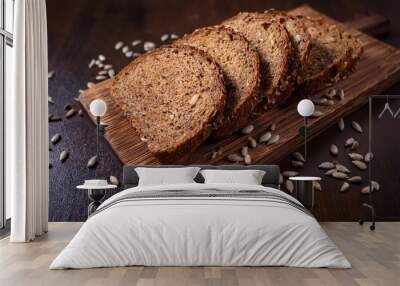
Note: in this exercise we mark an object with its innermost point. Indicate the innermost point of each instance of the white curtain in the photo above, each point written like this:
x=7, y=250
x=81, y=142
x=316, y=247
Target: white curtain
x=27, y=124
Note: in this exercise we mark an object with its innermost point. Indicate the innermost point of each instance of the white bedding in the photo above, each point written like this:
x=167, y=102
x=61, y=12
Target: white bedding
x=191, y=231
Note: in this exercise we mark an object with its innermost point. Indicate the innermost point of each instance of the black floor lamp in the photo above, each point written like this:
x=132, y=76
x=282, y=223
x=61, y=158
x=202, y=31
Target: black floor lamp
x=305, y=108
x=98, y=108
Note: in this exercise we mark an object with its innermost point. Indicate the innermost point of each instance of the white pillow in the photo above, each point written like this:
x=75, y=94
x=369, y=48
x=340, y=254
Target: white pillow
x=164, y=176
x=248, y=177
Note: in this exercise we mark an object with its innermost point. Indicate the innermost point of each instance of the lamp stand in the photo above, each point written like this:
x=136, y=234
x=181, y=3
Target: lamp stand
x=303, y=131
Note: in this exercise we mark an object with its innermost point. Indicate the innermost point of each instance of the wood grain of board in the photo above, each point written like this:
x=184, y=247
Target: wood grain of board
x=378, y=69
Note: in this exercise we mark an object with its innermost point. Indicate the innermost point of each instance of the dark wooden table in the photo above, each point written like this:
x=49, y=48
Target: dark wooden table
x=81, y=30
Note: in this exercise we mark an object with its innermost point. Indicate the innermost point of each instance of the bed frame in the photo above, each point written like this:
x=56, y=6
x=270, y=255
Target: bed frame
x=271, y=178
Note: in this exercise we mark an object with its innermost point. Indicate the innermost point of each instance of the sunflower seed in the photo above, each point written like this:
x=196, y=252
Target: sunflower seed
x=320, y=101
x=102, y=58
x=136, y=42
x=76, y=99
x=317, y=114
x=330, y=93
x=92, y=162
x=235, y=158
x=214, y=155
x=356, y=156
x=357, y=127
x=64, y=156
x=99, y=64
x=289, y=186
x=174, y=36
x=118, y=45
x=53, y=118
x=339, y=175
x=135, y=55
x=252, y=142
x=344, y=187
x=56, y=138
x=103, y=72
x=355, y=179
x=100, y=77
x=342, y=168
x=50, y=75
x=129, y=54
x=248, y=129
x=164, y=37
x=80, y=112
x=274, y=139
x=90, y=84
x=298, y=156
x=244, y=151
x=50, y=100
x=125, y=49
x=220, y=150
x=114, y=180
x=289, y=174
x=297, y=164
x=111, y=73
x=317, y=186
x=360, y=164
x=334, y=150
x=91, y=63
x=264, y=138
x=341, y=124
x=375, y=186
x=365, y=190
x=272, y=127
x=355, y=145
x=80, y=90
x=247, y=159
x=368, y=157
x=330, y=172
x=340, y=94
x=349, y=142
x=70, y=113
x=326, y=165
x=147, y=46
x=107, y=67
x=265, y=107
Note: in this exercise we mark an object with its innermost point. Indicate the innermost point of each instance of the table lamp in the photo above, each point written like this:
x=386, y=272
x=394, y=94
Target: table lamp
x=305, y=108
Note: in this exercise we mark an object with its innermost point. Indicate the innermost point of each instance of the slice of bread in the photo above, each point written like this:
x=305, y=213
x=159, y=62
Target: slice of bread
x=241, y=67
x=173, y=97
x=271, y=40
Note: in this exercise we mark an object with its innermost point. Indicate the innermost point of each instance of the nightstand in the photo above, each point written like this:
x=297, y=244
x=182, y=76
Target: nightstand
x=96, y=195
x=304, y=190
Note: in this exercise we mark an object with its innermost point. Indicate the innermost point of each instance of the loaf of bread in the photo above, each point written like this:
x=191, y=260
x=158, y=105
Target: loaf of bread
x=240, y=65
x=271, y=40
x=174, y=97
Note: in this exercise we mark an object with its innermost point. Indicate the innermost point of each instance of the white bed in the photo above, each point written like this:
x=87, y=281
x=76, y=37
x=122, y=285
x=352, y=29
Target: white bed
x=269, y=228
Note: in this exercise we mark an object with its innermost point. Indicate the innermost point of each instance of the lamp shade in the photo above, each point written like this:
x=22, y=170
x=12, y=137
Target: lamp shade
x=305, y=108
x=98, y=107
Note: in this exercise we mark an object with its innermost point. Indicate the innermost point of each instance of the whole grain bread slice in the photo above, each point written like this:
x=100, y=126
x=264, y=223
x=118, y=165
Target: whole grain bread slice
x=240, y=65
x=271, y=40
x=173, y=97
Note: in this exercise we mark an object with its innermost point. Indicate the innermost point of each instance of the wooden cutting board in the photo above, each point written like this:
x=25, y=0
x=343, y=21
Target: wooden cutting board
x=377, y=70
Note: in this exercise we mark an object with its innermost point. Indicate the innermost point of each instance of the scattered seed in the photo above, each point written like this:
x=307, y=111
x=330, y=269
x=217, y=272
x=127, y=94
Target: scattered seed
x=81, y=90
x=265, y=107
x=76, y=99
x=125, y=49
x=100, y=77
x=360, y=164
x=92, y=63
x=355, y=179
x=289, y=186
x=135, y=55
x=356, y=156
x=67, y=107
x=264, y=138
x=248, y=129
x=129, y=54
x=368, y=157
x=56, y=138
x=53, y=118
x=317, y=186
x=147, y=46
x=326, y=165
x=252, y=142
x=297, y=164
x=50, y=100
x=340, y=94
x=289, y=174
x=247, y=159
x=111, y=73
x=334, y=150
x=244, y=151
x=235, y=158
x=357, y=127
x=64, y=156
x=317, y=114
x=50, y=75
x=298, y=156
x=330, y=172
x=272, y=127
x=92, y=162
x=70, y=113
x=320, y=101
x=214, y=155
x=107, y=67
x=90, y=84
x=164, y=37
x=344, y=187
x=274, y=139
x=100, y=64
x=114, y=180
x=102, y=58
x=355, y=145
x=174, y=36
x=136, y=42
x=220, y=150
x=375, y=186
x=341, y=124
x=349, y=142
x=339, y=175
x=80, y=112
x=342, y=168
x=331, y=93
x=103, y=72
x=365, y=190
x=118, y=45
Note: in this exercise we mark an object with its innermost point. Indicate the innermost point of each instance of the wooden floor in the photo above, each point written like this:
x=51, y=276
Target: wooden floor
x=375, y=257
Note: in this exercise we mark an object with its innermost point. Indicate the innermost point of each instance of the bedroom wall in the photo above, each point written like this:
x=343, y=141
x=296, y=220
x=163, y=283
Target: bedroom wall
x=80, y=30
